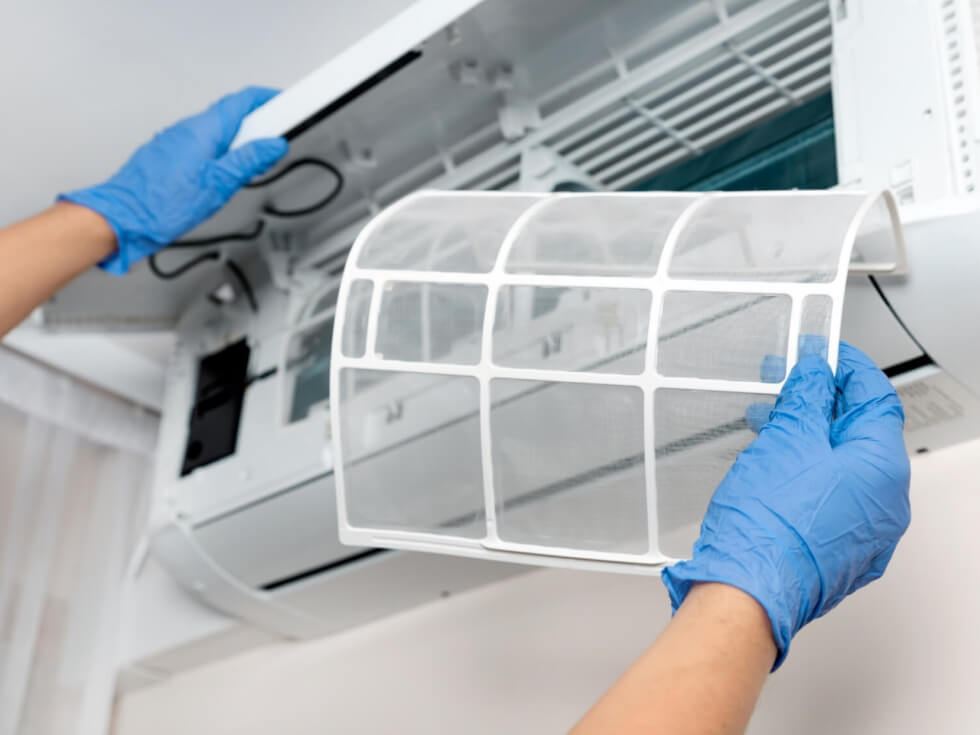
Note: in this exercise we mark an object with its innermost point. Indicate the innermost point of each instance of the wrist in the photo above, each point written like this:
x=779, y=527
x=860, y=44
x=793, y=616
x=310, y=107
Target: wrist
x=93, y=232
x=121, y=215
x=732, y=609
x=779, y=575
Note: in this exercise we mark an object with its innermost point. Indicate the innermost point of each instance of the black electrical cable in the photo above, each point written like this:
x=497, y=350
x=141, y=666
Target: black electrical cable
x=272, y=210
x=231, y=265
x=269, y=209
x=218, y=239
x=181, y=269
x=316, y=206
x=261, y=376
x=244, y=283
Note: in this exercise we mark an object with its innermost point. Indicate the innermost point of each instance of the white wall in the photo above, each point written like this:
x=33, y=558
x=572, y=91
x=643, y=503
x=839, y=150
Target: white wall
x=83, y=83
x=529, y=655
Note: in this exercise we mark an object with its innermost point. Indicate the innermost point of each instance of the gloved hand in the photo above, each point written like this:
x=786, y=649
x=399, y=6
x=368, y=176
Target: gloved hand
x=180, y=178
x=812, y=510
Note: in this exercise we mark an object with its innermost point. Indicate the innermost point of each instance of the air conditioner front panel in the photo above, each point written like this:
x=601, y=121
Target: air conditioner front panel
x=279, y=537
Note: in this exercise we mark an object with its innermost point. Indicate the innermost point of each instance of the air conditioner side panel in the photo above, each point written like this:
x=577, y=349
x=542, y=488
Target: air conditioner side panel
x=939, y=299
x=869, y=325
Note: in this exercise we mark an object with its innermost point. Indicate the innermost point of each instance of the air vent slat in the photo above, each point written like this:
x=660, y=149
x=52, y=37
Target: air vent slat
x=700, y=117
x=821, y=84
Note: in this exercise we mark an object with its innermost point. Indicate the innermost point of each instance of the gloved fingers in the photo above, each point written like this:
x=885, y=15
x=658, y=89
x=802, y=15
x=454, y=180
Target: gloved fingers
x=773, y=370
x=867, y=406
x=236, y=168
x=806, y=402
x=858, y=378
x=217, y=126
x=875, y=569
x=773, y=367
x=239, y=104
x=882, y=467
x=813, y=344
x=758, y=414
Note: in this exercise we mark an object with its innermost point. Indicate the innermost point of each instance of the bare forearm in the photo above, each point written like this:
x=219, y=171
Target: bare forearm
x=43, y=253
x=702, y=676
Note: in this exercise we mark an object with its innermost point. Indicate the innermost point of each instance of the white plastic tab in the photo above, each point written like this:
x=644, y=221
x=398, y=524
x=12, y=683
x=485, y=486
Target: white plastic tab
x=564, y=379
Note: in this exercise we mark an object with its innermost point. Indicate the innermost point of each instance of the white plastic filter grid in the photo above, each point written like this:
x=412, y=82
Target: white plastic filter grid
x=486, y=372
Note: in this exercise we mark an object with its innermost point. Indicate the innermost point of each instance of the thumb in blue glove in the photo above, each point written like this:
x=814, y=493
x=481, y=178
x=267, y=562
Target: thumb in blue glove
x=180, y=178
x=813, y=509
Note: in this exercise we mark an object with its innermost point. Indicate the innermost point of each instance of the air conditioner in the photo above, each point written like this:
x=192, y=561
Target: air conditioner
x=532, y=96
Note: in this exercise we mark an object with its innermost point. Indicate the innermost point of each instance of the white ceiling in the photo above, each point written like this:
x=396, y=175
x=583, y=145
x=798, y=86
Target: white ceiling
x=84, y=83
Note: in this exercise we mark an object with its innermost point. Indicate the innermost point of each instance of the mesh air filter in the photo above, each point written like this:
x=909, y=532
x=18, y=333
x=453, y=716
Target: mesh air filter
x=565, y=379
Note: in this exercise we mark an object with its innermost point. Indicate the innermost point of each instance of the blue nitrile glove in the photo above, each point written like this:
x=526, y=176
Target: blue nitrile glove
x=812, y=510
x=180, y=178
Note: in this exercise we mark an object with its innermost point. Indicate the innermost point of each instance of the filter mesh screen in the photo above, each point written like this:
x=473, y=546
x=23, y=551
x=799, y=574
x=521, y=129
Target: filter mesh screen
x=697, y=434
x=589, y=329
x=568, y=465
x=603, y=234
x=431, y=322
x=816, y=325
x=354, y=341
x=409, y=467
x=724, y=335
x=459, y=236
x=790, y=239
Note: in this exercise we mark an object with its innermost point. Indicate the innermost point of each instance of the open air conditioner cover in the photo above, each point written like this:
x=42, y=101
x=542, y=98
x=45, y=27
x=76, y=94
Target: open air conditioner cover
x=565, y=379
